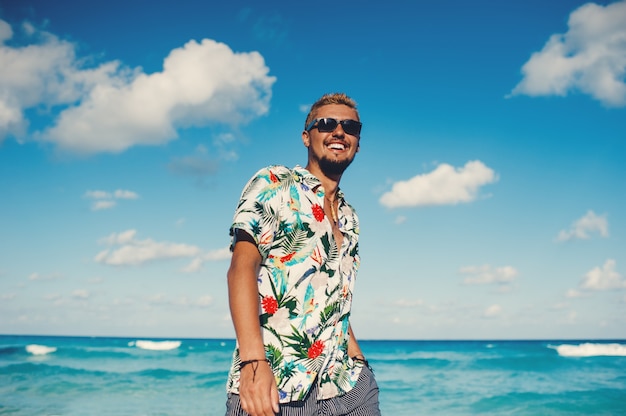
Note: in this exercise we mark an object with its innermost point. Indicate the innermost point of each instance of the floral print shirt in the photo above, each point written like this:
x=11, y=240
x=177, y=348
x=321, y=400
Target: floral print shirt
x=305, y=282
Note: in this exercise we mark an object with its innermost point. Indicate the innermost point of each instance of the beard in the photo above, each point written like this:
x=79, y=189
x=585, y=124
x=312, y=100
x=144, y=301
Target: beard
x=332, y=168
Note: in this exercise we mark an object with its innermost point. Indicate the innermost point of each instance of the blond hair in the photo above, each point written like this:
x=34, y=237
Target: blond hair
x=326, y=99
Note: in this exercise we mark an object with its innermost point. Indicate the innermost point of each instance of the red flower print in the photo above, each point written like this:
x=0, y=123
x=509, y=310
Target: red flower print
x=273, y=177
x=318, y=212
x=316, y=349
x=270, y=305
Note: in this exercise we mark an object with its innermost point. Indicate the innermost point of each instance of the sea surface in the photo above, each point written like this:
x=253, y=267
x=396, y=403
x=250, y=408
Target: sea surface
x=129, y=376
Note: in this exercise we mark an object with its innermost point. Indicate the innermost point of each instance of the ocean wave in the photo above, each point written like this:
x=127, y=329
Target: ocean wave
x=36, y=349
x=591, y=350
x=155, y=345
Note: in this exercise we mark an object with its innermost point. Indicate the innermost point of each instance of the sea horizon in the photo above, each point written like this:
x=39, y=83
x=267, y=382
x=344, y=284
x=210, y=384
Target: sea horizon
x=101, y=375
x=165, y=337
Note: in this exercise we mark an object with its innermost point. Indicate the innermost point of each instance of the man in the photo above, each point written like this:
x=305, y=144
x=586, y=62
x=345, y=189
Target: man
x=291, y=278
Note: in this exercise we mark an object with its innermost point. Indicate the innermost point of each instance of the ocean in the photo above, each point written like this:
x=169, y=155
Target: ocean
x=41, y=375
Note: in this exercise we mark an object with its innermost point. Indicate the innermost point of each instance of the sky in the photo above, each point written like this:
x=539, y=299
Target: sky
x=490, y=183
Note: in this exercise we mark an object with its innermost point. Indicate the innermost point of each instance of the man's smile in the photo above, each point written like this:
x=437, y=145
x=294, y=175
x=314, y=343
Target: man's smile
x=337, y=146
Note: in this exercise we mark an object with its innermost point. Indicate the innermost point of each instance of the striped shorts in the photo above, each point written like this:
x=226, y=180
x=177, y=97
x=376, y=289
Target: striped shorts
x=362, y=400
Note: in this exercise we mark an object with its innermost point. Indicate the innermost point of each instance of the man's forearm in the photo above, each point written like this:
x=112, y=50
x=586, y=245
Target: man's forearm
x=243, y=295
x=354, y=350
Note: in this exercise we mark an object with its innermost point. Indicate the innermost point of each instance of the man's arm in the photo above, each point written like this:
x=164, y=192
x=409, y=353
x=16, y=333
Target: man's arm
x=354, y=350
x=257, y=387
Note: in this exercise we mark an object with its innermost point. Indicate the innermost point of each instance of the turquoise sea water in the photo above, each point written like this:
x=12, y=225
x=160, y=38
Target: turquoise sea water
x=124, y=376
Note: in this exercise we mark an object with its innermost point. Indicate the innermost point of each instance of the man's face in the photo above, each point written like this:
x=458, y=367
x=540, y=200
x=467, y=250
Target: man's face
x=332, y=151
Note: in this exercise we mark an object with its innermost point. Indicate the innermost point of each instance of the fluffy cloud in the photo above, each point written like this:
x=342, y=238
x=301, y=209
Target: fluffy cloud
x=487, y=274
x=106, y=200
x=445, y=185
x=603, y=278
x=131, y=251
x=590, y=223
x=590, y=57
x=42, y=74
x=127, y=250
x=110, y=108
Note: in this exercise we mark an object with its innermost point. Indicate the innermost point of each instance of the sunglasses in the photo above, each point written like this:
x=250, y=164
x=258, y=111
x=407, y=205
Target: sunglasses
x=326, y=125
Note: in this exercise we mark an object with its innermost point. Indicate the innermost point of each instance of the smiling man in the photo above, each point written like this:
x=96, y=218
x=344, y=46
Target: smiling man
x=291, y=278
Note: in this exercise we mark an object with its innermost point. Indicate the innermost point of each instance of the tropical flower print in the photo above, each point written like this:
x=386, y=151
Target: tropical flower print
x=316, y=349
x=318, y=212
x=270, y=305
x=305, y=282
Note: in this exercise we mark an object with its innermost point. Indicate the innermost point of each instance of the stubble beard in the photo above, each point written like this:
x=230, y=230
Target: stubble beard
x=332, y=168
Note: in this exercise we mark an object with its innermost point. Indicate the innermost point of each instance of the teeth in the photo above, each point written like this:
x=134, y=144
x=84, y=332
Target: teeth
x=337, y=146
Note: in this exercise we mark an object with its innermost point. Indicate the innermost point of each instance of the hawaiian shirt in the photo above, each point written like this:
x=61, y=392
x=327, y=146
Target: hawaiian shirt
x=305, y=282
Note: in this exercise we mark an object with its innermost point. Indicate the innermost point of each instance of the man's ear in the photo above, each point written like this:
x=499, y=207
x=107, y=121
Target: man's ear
x=306, y=139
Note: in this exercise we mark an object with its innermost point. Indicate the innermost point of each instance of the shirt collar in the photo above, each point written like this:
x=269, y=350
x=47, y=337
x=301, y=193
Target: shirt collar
x=311, y=180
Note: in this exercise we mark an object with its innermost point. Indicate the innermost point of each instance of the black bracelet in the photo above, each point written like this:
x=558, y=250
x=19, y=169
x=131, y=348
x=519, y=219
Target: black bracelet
x=254, y=367
x=245, y=363
x=361, y=360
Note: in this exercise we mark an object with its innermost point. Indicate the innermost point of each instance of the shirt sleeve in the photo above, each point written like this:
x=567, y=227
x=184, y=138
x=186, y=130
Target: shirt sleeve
x=258, y=210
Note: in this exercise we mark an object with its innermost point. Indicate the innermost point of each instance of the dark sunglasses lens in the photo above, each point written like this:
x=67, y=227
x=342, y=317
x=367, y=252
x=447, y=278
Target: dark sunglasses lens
x=327, y=124
x=351, y=127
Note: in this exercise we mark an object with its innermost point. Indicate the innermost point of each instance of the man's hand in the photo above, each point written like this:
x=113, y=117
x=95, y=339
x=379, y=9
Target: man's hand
x=258, y=393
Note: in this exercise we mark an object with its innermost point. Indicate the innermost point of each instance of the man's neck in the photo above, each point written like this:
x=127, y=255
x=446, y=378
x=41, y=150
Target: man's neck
x=330, y=184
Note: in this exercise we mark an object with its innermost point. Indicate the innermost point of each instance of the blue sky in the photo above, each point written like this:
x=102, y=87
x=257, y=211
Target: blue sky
x=490, y=182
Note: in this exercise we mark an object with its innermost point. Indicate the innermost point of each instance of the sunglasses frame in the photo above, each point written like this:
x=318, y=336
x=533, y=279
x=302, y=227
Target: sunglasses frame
x=313, y=125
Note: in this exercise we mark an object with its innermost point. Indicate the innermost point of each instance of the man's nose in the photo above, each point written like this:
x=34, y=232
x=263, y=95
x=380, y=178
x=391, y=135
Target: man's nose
x=339, y=130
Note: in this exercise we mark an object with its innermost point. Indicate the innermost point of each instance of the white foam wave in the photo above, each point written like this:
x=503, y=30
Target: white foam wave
x=591, y=350
x=157, y=345
x=39, y=349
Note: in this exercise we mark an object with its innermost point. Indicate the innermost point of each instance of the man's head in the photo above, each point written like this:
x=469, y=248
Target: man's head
x=332, y=133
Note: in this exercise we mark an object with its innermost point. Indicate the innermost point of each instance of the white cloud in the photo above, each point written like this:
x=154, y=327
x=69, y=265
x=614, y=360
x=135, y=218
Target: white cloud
x=492, y=311
x=487, y=274
x=445, y=185
x=214, y=255
x=44, y=74
x=125, y=194
x=135, y=252
x=110, y=108
x=100, y=205
x=603, y=278
x=98, y=194
x=590, y=57
x=584, y=226
x=106, y=200
x=119, y=238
